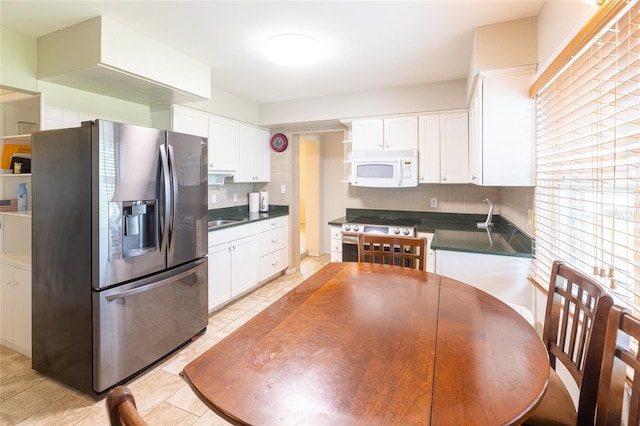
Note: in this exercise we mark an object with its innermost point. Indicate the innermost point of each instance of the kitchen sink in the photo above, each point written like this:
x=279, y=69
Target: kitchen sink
x=221, y=222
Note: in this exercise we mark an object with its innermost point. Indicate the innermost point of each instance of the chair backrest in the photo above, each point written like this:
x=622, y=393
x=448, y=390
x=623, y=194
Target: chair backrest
x=574, y=329
x=400, y=251
x=619, y=363
x=121, y=407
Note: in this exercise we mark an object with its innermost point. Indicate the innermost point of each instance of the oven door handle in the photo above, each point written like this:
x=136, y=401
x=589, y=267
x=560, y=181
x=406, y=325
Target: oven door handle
x=349, y=238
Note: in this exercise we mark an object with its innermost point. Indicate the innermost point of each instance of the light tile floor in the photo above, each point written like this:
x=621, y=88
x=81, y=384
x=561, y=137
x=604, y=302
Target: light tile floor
x=162, y=396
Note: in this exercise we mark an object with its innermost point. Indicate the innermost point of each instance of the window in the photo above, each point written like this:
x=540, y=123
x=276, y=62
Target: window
x=587, y=198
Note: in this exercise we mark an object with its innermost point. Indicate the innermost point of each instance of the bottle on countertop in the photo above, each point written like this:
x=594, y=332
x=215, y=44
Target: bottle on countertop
x=22, y=197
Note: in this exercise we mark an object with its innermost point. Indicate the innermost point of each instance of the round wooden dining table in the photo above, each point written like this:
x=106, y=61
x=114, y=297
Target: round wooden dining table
x=372, y=344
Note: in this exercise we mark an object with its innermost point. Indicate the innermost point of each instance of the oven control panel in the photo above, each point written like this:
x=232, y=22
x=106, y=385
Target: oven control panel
x=359, y=228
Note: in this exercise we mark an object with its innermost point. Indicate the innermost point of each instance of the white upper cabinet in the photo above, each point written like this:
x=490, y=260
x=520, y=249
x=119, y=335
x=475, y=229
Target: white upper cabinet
x=393, y=133
x=234, y=148
x=401, y=133
x=189, y=121
x=444, y=147
x=367, y=135
x=223, y=137
x=429, y=153
x=454, y=148
x=253, y=155
x=502, y=129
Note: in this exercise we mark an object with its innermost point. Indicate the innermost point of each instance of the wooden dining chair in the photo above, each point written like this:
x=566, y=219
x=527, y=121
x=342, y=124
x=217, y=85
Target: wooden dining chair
x=121, y=407
x=400, y=251
x=574, y=331
x=620, y=365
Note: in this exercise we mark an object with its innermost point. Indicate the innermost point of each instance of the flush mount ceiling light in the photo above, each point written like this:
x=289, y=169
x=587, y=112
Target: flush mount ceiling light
x=293, y=50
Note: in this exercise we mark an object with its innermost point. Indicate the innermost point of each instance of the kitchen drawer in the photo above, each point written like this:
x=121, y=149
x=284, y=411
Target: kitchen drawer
x=233, y=233
x=336, y=232
x=276, y=222
x=336, y=257
x=273, y=263
x=336, y=245
x=273, y=240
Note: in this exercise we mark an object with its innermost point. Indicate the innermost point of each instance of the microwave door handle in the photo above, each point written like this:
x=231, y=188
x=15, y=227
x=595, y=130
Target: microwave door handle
x=400, y=172
x=167, y=195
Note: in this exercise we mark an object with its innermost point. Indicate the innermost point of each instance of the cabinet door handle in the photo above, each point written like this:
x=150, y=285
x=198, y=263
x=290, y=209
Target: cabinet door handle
x=275, y=241
x=444, y=178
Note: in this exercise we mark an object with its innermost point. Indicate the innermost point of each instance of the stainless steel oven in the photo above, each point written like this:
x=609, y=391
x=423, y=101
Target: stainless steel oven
x=349, y=247
x=372, y=225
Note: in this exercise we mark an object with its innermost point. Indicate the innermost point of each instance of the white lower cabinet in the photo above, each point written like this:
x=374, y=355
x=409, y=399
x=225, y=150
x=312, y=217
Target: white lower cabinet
x=274, y=246
x=243, y=265
x=336, y=243
x=504, y=277
x=15, y=301
x=219, y=274
x=232, y=263
x=243, y=256
x=430, y=258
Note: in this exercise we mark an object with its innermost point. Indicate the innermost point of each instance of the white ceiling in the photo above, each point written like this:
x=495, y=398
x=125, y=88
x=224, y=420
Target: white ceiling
x=369, y=44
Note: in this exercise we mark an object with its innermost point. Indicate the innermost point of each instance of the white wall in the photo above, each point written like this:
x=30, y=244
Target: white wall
x=423, y=98
x=78, y=105
x=503, y=45
x=18, y=54
x=558, y=23
x=334, y=192
x=228, y=105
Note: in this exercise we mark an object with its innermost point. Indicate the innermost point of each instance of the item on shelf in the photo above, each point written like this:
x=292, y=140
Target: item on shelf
x=9, y=150
x=21, y=163
x=26, y=127
x=10, y=205
x=22, y=197
x=264, y=201
x=254, y=202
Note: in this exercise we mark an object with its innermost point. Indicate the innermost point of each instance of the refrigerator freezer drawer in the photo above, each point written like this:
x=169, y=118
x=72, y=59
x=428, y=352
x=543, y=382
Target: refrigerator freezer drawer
x=139, y=323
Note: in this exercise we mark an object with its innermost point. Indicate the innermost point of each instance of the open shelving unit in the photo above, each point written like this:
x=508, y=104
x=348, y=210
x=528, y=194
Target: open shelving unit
x=20, y=114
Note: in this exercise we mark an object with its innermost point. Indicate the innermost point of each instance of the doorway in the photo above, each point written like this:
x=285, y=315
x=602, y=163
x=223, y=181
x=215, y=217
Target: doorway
x=309, y=194
x=322, y=194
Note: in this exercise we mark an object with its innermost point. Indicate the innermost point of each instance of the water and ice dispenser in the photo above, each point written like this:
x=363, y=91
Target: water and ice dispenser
x=139, y=227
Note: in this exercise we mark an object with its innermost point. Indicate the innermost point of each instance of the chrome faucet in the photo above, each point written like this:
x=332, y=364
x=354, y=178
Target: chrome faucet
x=487, y=223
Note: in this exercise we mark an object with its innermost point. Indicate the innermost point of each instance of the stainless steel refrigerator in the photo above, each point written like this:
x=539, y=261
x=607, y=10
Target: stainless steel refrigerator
x=119, y=231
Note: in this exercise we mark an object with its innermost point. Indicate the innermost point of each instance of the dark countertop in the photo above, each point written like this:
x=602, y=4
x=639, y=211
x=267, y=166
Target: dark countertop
x=241, y=213
x=457, y=231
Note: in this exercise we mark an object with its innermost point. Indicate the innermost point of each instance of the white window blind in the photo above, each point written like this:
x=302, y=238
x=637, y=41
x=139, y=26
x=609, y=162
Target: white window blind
x=587, y=198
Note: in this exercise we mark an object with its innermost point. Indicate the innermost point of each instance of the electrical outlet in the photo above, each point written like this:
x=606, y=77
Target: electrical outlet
x=434, y=203
x=235, y=198
x=213, y=199
x=283, y=189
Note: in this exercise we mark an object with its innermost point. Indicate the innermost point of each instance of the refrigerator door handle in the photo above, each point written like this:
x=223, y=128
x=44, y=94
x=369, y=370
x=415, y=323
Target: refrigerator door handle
x=153, y=284
x=167, y=195
x=174, y=198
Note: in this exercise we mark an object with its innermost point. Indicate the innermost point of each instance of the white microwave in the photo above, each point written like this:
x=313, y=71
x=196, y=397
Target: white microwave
x=384, y=169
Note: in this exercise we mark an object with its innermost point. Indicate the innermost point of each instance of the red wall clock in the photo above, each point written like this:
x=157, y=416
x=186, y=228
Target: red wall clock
x=279, y=142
